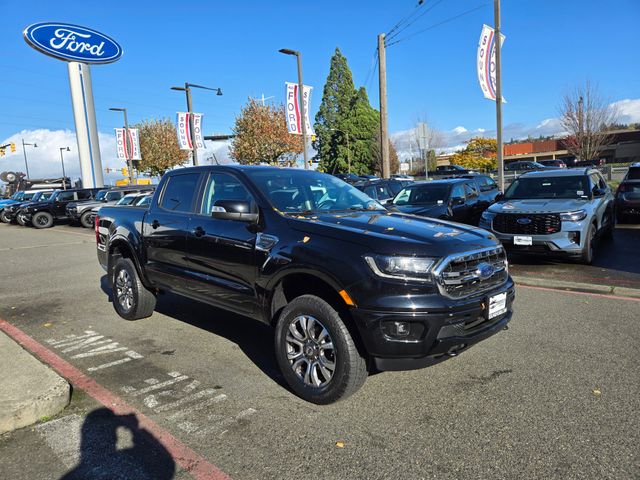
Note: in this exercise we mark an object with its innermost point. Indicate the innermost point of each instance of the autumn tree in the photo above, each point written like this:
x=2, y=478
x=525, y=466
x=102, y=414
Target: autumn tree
x=479, y=154
x=586, y=117
x=261, y=135
x=159, y=148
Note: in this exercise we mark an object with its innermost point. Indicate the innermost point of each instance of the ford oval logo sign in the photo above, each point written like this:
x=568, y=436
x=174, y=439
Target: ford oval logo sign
x=72, y=43
x=524, y=221
x=485, y=270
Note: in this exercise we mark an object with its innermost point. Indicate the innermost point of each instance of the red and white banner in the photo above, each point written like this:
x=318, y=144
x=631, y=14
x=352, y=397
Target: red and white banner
x=129, y=149
x=294, y=113
x=184, y=130
x=487, y=62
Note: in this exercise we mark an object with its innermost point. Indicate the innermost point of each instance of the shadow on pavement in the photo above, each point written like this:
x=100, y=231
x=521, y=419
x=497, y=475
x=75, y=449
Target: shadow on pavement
x=115, y=447
x=616, y=262
x=254, y=338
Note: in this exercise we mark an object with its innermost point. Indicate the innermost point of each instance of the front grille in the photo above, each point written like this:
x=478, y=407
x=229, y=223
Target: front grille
x=460, y=276
x=527, y=224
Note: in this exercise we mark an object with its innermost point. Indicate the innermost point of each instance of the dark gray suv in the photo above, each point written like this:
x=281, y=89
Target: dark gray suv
x=560, y=211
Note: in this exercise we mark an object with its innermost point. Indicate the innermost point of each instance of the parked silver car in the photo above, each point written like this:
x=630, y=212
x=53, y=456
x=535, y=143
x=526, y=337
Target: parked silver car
x=562, y=211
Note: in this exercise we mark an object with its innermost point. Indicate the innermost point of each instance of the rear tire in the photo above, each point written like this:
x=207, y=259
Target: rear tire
x=589, y=246
x=85, y=220
x=42, y=220
x=316, y=353
x=131, y=299
x=21, y=221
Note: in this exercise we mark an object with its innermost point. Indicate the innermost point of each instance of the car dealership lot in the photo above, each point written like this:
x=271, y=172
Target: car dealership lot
x=555, y=396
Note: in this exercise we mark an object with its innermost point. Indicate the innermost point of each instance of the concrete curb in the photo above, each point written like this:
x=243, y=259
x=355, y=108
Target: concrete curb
x=577, y=286
x=29, y=390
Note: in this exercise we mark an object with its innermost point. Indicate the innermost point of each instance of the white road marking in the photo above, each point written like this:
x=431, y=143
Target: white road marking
x=93, y=353
x=71, y=338
x=187, y=399
x=158, y=386
x=130, y=355
x=198, y=406
x=215, y=424
x=30, y=247
x=93, y=341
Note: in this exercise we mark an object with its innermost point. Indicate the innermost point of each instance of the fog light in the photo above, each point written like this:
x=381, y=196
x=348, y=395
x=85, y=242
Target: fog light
x=402, y=329
x=574, y=237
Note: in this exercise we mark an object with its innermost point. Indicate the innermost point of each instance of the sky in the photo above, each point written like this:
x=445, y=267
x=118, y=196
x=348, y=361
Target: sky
x=550, y=47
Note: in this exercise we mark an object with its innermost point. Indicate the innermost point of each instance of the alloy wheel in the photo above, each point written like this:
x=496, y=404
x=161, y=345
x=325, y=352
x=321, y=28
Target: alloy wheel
x=310, y=351
x=124, y=289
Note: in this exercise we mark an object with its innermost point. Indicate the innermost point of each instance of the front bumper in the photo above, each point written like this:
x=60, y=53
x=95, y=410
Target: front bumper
x=435, y=334
x=568, y=241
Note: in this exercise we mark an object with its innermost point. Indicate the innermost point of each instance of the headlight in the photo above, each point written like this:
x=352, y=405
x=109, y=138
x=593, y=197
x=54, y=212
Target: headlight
x=401, y=268
x=574, y=216
x=487, y=215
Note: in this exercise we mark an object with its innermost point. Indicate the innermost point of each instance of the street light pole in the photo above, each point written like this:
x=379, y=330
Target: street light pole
x=64, y=175
x=24, y=151
x=303, y=108
x=498, y=47
x=192, y=135
x=127, y=151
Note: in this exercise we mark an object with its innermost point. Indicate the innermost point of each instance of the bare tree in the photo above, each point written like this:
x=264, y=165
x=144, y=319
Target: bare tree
x=435, y=141
x=586, y=116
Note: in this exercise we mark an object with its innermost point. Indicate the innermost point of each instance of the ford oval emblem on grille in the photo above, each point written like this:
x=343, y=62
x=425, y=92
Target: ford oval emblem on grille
x=485, y=270
x=524, y=221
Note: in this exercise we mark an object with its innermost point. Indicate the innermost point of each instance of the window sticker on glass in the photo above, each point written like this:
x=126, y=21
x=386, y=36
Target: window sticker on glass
x=546, y=184
x=580, y=193
x=440, y=202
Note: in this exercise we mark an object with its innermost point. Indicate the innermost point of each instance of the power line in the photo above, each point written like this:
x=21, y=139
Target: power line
x=426, y=10
x=406, y=18
x=450, y=19
x=372, y=68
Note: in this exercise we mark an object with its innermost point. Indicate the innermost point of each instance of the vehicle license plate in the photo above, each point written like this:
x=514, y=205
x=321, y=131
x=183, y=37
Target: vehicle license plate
x=497, y=305
x=519, y=240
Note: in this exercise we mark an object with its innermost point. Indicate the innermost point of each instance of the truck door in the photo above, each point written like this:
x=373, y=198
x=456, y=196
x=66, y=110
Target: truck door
x=165, y=232
x=222, y=251
x=60, y=204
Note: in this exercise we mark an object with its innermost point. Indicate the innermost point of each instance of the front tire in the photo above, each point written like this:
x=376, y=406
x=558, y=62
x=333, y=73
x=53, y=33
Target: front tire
x=316, y=353
x=85, y=220
x=131, y=299
x=20, y=220
x=4, y=217
x=589, y=246
x=42, y=220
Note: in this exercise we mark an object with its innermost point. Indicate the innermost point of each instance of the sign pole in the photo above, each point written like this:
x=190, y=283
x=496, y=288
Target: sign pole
x=85, y=121
x=498, y=47
x=303, y=112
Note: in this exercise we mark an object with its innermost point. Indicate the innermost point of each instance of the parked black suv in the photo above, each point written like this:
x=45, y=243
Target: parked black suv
x=455, y=199
x=44, y=214
x=382, y=189
x=628, y=194
x=348, y=286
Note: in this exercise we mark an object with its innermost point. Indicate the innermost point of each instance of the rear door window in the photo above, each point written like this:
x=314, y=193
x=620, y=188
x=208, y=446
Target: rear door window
x=222, y=186
x=84, y=194
x=180, y=192
x=65, y=196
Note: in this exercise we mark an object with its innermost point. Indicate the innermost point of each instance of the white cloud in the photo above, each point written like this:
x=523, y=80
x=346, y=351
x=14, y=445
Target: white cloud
x=628, y=109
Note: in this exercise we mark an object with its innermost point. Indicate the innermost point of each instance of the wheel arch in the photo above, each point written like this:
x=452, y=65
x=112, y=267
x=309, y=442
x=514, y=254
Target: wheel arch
x=121, y=248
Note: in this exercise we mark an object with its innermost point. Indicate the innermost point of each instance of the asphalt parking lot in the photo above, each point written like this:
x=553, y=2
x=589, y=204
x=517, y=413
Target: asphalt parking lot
x=555, y=396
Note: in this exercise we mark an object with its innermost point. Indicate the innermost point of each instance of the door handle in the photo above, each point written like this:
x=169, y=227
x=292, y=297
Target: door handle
x=199, y=232
x=155, y=224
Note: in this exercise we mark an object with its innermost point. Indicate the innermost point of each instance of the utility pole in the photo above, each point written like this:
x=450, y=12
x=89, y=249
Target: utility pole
x=64, y=175
x=498, y=47
x=384, y=133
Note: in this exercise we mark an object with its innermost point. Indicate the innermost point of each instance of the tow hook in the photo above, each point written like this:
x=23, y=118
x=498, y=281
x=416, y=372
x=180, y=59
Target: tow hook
x=453, y=351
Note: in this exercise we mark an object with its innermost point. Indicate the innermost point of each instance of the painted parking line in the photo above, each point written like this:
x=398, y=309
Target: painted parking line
x=197, y=466
x=573, y=292
x=47, y=245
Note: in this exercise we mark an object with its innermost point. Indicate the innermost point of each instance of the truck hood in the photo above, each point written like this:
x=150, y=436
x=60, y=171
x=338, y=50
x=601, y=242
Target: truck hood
x=540, y=205
x=395, y=233
x=4, y=203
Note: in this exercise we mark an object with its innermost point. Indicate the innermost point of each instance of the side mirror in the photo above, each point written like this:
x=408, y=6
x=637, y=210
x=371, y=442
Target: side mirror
x=234, y=210
x=457, y=201
x=599, y=192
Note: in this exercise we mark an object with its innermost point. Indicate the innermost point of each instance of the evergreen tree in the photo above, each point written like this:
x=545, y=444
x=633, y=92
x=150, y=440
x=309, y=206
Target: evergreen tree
x=346, y=125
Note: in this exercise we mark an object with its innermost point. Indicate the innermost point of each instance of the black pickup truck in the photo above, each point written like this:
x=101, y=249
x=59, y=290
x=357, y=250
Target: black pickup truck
x=349, y=287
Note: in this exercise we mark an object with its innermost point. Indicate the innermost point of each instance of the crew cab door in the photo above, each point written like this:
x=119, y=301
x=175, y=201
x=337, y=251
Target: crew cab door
x=472, y=200
x=60, y=204
x=222, y=251
x=165, y=232
x=459, y=205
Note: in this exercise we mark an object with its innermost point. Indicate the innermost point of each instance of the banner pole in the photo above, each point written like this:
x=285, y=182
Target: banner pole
x=498, y=47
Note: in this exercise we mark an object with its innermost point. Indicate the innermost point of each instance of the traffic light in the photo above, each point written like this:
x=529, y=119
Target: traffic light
x=125, y=172
x=13, y=147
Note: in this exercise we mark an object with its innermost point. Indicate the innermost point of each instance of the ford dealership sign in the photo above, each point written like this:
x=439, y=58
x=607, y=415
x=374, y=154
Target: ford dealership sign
x=72, y=43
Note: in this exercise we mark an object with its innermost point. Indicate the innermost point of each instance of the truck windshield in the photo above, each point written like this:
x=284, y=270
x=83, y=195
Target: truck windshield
x=575, y=186
x=427, y=194
x=300, y=191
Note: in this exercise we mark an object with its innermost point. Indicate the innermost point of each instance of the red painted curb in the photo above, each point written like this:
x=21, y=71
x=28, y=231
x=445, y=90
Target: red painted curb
x=194, y=464
x=573, y=292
